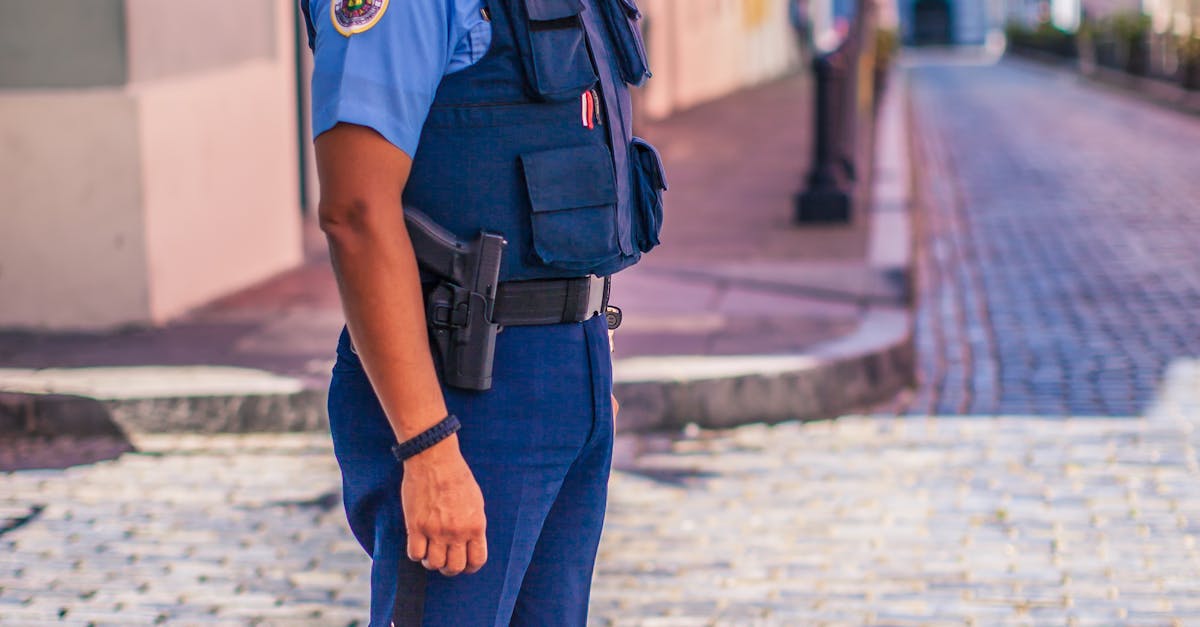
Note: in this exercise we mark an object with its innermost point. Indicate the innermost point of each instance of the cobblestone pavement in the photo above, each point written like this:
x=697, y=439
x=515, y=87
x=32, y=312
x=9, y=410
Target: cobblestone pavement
x=1061, y=274
x=863, y=520
x=191, y=530
x=1058, y=282
x=915, y=521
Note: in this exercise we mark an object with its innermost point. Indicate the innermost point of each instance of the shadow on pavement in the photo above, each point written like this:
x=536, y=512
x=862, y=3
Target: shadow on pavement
x=30, y=428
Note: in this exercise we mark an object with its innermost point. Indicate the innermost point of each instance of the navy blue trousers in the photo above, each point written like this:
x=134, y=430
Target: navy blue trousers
x=540, y=446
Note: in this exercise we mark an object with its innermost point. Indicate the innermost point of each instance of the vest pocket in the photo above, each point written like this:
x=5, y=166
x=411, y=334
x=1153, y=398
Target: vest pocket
x=556, y=56
x=623, y=17
x=649, y=182
x=573, y=201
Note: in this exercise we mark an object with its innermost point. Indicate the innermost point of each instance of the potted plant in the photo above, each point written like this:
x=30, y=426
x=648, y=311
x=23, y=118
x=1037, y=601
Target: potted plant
x=1189, y=62
x=1132, y=33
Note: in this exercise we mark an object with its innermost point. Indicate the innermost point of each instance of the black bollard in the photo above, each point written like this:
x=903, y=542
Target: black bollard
x=844, y=118
x=827, y=197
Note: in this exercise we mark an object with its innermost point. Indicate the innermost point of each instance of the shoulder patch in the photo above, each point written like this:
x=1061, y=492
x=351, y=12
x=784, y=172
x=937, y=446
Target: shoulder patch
x=356, y=16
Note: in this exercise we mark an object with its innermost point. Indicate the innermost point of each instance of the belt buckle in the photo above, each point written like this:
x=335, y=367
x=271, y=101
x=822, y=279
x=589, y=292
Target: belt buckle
x=597, y=296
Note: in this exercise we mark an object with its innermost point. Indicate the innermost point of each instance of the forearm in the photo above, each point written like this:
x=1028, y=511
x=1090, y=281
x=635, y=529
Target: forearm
x=362, y=177
x=381, y=296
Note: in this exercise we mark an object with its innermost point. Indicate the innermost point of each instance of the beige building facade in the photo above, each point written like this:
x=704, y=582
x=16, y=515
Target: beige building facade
x=147, y=157
x=704, y=49
x=152, y=154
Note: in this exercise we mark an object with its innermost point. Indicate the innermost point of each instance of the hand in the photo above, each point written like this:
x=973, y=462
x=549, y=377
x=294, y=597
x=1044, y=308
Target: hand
x=443, y=511
x=616, y=406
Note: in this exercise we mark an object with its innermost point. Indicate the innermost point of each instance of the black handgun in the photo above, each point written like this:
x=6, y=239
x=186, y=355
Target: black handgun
x=459, y=307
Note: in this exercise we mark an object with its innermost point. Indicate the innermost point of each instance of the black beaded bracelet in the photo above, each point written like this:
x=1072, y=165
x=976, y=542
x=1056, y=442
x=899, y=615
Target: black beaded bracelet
x=427, y=438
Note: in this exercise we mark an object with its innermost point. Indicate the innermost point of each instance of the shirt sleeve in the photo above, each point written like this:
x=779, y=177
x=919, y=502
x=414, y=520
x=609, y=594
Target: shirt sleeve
x=384, y=74
x=473, y=35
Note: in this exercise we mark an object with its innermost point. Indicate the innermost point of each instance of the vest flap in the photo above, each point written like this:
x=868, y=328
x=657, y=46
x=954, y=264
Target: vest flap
x=650, y=161
x=622, y=18
x=569, y=178
x=549, y=10
x=632, y=8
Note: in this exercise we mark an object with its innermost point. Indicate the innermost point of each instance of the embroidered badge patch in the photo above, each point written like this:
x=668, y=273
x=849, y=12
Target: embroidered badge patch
x=356, y=16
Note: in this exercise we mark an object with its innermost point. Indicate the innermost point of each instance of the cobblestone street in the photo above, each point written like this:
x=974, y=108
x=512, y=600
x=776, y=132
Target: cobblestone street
x=1044, y=473
x=1061, y=274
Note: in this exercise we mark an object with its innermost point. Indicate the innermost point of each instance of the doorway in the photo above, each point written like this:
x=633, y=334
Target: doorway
x=933, y=23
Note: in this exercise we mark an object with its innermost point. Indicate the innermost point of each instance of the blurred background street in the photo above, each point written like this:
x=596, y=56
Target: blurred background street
x=975, y=400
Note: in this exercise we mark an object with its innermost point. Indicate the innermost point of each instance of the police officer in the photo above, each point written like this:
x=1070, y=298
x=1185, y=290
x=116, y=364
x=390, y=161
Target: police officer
x=479, y=507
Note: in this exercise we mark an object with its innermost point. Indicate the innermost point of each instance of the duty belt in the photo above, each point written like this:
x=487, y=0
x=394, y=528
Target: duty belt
x=554, y=301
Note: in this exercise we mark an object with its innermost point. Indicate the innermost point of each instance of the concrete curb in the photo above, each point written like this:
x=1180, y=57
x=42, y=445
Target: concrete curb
x=868, y=366
x=656, y=393
x=154, y=399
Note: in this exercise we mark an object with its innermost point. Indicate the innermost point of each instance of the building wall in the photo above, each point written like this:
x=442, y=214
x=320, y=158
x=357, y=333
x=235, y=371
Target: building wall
x=77, y=43
x=704, y=49
x=1101, y=8
x=971, y=20
x=218, y=133
x=1180, y=18
x=148, y=157
x=71, y=227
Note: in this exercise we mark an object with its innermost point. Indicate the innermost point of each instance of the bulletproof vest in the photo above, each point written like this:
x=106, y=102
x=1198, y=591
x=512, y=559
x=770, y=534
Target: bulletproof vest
x=534, y=141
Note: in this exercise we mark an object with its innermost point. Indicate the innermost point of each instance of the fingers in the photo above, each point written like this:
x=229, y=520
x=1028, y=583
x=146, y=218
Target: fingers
x=476, y=554
x=453, y=559
x=435, y=556
x=456, y=560
x=417, y=545
x=616, y=406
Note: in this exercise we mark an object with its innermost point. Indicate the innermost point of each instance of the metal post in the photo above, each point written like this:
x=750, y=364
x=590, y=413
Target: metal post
x=826, y=197
x=844, y=126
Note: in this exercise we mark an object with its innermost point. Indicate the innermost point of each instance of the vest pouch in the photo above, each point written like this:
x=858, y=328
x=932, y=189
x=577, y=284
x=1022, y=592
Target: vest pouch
x=623, y=19
x=573, y=202
x=649, y=182
x=555, y=51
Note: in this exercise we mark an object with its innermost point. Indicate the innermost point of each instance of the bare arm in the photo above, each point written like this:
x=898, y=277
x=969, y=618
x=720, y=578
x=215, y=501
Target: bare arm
x=362, y=176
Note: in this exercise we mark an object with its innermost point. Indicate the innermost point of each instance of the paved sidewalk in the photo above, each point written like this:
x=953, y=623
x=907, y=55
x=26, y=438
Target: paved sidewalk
x=732, y=278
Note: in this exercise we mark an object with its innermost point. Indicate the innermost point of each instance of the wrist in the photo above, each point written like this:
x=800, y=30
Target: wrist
x=442, y=451
x=436, y=434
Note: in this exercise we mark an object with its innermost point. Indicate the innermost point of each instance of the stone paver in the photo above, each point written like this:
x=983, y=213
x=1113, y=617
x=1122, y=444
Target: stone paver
x=1044, y=474
x=1061, y=271
x=191, y=530
x=947, y=520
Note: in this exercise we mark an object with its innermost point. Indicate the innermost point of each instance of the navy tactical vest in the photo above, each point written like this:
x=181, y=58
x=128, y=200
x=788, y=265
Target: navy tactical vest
x=534, y=141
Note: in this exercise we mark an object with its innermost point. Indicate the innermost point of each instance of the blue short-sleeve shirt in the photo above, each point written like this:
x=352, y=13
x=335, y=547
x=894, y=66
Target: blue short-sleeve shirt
x=378, y=63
